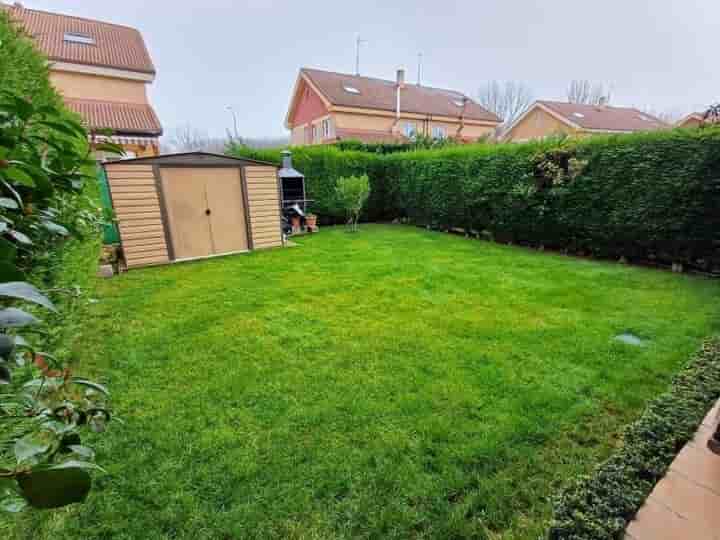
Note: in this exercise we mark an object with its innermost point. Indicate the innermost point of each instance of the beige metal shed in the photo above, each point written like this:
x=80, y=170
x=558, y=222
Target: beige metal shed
x=179, y=207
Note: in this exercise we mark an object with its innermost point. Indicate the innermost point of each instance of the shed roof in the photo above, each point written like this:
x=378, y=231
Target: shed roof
x=199, y=159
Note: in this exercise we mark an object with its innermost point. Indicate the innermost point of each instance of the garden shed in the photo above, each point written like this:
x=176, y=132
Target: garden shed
x=186, y=206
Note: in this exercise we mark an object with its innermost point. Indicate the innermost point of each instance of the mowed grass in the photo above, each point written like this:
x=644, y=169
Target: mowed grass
x=394, y=383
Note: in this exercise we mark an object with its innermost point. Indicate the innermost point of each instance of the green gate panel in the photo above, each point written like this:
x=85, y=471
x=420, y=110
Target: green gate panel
x=110, y=231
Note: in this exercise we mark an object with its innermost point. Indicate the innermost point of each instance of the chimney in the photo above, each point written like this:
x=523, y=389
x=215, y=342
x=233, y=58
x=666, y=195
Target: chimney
x=400, y=85
x=286, y=159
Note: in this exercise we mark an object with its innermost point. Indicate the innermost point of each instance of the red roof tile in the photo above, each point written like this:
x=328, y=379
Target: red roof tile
x=115, y=46
x=605, y=118
x=120, y=117
x=381, y=94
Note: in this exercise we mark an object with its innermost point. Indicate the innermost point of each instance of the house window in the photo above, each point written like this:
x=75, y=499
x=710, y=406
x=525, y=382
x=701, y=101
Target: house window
x=439, y=132
x=314, y=133
x=325, y=128
x=410, y=129
x=76, y=37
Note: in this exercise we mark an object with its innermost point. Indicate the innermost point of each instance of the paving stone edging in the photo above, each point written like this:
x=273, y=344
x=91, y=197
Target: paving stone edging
x=600, y=505
x=684, y=503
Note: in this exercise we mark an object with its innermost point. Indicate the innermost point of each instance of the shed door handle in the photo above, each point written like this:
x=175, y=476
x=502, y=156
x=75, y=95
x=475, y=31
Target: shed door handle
x=207, y=212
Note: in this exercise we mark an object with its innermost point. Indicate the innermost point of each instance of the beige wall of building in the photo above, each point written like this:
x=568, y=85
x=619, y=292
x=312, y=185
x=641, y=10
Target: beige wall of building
x=84, y=86
x=297, y=136
x=537, y=125
x=386, y=123
x=471, y=131
x=691, y=122
x=363, y=121
x=380, y=123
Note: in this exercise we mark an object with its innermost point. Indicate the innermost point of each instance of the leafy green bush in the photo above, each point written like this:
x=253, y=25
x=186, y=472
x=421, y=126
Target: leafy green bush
x=599, y=506
x=44, y=408
x=418, y=143
x=649, y=196
x=351, y=193
x=24, y=70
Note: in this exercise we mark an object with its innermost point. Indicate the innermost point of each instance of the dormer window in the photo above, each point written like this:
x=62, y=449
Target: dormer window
x=76, y=37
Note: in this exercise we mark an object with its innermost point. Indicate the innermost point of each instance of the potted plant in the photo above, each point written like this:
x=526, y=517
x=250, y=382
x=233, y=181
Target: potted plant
x=311, y=222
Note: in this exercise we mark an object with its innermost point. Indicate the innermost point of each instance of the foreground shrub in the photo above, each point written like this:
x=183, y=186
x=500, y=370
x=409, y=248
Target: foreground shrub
x=599, y=506
x=44, y=408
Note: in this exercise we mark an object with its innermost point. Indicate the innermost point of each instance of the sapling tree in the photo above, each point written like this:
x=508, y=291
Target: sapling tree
x=352, y=193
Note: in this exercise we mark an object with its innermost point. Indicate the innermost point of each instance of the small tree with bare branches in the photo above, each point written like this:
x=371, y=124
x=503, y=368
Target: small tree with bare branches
x=712, y=115
x=588, y=93
x=189, y=139
x=507, y=99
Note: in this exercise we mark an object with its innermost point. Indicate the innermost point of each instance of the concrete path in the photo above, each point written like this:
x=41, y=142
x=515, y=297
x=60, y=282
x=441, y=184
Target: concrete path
x=685, y=505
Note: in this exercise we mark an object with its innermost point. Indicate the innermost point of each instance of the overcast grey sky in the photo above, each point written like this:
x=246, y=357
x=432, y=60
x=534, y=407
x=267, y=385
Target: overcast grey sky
x=211, y=54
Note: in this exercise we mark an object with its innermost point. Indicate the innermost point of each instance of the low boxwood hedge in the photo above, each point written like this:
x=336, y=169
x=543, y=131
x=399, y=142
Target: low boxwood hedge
x=599, y=506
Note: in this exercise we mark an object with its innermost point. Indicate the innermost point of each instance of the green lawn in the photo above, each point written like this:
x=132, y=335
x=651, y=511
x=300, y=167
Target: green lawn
x=394, y=383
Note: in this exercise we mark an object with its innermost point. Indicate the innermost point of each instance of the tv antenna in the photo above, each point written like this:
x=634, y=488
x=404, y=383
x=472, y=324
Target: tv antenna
x=358, y=41
x=420, y=55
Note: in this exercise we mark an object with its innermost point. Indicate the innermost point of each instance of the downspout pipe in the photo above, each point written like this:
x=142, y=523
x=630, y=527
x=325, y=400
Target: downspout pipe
x=400, y=84
x=462, y=117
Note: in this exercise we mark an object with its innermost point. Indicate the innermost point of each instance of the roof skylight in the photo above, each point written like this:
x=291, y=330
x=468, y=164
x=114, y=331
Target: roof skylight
x=350, y=89
x=643, y=117
x=75, y=37
x=578, y=115
x=459, y=102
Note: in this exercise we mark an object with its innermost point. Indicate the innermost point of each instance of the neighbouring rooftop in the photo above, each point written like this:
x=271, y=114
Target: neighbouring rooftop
x=604, y=117
x=346, y=90
x=65, y=38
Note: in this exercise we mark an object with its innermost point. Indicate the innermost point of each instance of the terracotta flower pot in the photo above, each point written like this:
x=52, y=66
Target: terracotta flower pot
x=295, y=222
x=311, y=221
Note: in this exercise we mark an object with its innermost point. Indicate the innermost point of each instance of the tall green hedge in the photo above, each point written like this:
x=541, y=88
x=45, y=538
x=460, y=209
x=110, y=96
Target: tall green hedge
x=322, y=166
x=23, y=70
x=649, y=196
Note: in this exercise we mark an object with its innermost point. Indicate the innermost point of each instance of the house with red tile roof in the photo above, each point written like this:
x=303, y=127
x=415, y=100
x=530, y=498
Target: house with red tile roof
x=326, y=107
x=102, y=70
x=694, y=120
x=547, y=118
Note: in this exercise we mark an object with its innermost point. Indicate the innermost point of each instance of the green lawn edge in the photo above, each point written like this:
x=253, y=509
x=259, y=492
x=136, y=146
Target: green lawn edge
x=600, y=505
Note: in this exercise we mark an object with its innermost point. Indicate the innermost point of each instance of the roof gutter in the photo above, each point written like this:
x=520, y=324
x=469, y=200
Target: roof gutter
x=462, y=118
x=101, y=71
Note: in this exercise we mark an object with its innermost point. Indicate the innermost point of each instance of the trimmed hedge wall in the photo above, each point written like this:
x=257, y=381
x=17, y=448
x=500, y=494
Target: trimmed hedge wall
x=322, y=166
x=599, y=506
x=650, y=196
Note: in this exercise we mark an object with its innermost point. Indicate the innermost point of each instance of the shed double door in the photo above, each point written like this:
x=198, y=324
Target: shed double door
x=205, y=211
